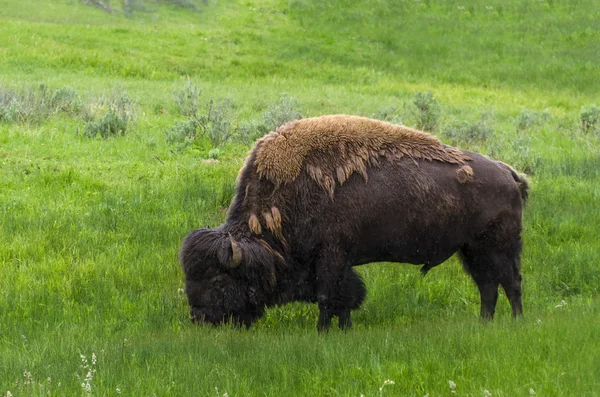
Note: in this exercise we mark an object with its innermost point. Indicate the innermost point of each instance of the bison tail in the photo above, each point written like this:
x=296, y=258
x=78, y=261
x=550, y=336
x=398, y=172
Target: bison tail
x=522, y=182
x=523, y=186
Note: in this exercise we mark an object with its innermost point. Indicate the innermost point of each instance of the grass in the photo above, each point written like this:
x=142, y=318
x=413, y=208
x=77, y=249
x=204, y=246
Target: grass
x=90, y=227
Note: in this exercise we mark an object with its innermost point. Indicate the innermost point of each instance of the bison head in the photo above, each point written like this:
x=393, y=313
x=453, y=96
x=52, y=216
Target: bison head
x=216, y=282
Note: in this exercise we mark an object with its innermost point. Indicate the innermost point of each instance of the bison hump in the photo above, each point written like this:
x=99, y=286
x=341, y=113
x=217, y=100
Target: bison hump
x=331, y=148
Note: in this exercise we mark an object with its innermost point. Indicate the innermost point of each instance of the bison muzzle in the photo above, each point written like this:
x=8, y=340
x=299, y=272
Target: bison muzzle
x=319, y=196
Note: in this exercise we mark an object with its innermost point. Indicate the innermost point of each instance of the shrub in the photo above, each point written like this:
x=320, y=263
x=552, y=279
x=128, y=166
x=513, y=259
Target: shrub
x=214, y=153
x=276, y=115
x=516, y=149
x=65, y=100
x=186, y=99
x=216, y=123
x=249, y=131
x=10, y=109
x=428, y=111
x=388, y=114
x=36, y=104
x=590, y=119
x=111, y=116
x=522, y=156
x=183, y=133
x=130, y=6
x=110, y=124
x=527, y=119
x=467, y=132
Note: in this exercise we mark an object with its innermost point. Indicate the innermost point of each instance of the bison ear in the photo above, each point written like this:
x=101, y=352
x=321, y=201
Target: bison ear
x=232, y=254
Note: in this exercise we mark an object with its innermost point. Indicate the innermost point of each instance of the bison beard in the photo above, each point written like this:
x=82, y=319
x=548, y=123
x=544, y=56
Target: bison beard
x=299, y=239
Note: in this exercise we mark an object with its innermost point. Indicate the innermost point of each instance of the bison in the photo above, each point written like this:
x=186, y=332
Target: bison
x=321, y=195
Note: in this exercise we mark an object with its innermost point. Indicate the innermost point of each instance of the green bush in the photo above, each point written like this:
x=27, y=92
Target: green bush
x=216, y=120
x=110, y=124
x=528, y=119
x=131, y=6
x=111, y=116
x=590, y=119
x=276, y=115
x=214, y=153
x=249, y=131
x=428, y=111
x=187, y=99
x=183, y=133
x=471, y=132
x=216, y=124
x=37, y=104
x=389, y=114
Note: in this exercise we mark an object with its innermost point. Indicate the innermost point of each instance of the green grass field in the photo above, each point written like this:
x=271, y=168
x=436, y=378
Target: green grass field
x=91, y=299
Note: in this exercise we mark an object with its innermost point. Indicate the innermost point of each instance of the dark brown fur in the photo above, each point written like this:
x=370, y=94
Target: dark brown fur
x=300, y=242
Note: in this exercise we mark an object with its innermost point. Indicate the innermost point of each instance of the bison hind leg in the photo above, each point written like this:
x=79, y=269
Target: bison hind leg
x=491, y=267
x=483, y=271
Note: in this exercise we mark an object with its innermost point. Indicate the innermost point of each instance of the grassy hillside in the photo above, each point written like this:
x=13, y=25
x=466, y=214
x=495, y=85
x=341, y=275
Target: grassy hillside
x=107, y=161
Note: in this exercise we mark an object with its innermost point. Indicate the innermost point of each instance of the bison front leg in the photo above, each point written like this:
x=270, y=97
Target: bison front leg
x=325, y=316
x=340, y=290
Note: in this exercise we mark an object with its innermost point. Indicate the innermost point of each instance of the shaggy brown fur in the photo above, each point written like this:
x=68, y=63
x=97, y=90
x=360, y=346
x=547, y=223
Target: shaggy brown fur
x=464, y=174
x=271, y=219
x=254, y=224
x=331, y=148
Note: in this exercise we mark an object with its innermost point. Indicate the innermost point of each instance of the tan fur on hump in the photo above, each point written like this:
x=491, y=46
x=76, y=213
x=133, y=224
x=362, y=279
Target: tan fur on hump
x=331, y=148
x=464, y=174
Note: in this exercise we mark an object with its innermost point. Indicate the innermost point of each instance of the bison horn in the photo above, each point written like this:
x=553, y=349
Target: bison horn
x=236, y=256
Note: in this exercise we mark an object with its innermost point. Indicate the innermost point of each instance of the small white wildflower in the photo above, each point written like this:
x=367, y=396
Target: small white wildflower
x=28, y=378
x=118, y=391
x=452, y=386
x=8, y=393
x=561, y=304
x=539, y=322
x=486, y=393
x=385, y=383
x=531, y=392
x=93, y=358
